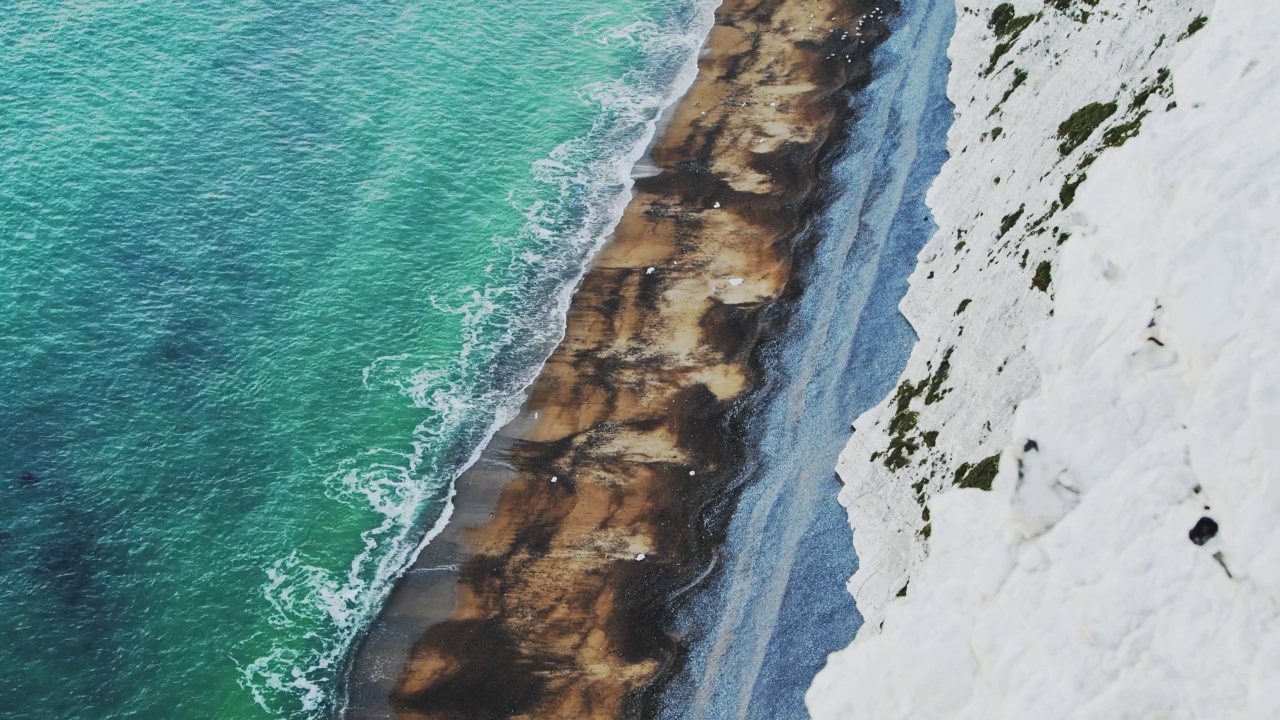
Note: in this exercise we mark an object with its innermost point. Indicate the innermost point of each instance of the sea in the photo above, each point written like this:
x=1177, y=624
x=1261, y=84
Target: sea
x=271, y=273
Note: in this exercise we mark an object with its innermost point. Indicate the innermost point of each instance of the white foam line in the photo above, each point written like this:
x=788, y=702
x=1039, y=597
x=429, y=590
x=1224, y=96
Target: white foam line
x=684, y=82
x=507, y=411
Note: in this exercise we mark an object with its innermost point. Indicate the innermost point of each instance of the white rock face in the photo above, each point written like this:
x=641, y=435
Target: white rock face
x=1137, y=394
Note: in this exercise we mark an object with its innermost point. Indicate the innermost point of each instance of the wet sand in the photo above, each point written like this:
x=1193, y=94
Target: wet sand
x=549, y=593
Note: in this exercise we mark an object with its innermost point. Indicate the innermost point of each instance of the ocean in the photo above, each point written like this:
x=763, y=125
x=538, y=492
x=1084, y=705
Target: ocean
x=270, y=274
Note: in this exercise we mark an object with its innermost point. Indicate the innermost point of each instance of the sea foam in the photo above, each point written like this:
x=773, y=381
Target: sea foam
x=509, y=331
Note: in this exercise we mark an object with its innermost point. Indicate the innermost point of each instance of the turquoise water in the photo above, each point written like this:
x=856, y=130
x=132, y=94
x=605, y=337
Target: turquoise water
x=269, y=273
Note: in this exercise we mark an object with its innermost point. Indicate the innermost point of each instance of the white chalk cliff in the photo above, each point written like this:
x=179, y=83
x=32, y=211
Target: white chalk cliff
x=1102, y=355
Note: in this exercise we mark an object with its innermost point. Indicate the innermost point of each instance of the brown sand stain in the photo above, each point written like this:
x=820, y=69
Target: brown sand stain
x=552, y=615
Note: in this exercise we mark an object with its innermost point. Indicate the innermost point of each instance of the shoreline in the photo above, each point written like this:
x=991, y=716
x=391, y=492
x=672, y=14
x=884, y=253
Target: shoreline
x=534, y=600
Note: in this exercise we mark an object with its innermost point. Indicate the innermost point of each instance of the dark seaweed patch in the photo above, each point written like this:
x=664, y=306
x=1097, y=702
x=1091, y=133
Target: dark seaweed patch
x=492, y=682
x=649, y=292
x=730, y=329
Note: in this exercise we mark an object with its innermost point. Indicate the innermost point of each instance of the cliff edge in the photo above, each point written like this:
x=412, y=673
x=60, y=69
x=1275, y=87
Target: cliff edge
x=1067, y=507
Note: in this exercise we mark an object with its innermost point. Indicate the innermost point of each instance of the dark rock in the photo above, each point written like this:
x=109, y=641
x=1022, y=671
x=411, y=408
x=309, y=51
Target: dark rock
x=1204, y=530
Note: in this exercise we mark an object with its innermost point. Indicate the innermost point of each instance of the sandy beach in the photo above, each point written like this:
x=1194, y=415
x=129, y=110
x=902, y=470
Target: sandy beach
x=549, y=593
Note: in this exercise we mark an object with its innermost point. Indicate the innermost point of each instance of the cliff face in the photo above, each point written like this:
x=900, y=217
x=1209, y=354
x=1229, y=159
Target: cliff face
x=1067, y=508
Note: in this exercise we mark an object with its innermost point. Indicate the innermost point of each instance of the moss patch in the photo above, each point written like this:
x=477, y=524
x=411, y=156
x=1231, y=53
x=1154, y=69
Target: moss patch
x=1118, y=135
x=1076, y=129
x=1160, y=87
x=1000, y=18
x=1008, y=221
x=1019, y=77
x=1042, y=279
x=936, y=392
x=978, y=476
x=1068, y=193
x=1007, y=26
x=904, y=438
x=1196, y=26
x=901, y=446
